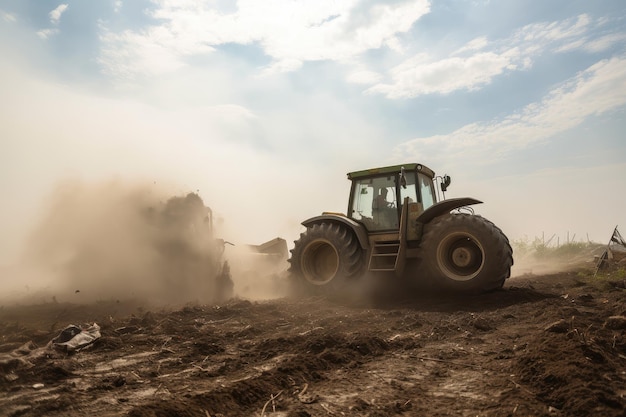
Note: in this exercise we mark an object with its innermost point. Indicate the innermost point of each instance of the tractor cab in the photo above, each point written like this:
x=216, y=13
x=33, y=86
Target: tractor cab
x=377, y=195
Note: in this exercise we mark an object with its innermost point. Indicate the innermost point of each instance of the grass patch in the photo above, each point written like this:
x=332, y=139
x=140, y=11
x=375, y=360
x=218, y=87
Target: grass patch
x=605, y=279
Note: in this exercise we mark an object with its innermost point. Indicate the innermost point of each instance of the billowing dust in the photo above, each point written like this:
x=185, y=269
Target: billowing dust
x=117, y=240
x=120, y=241
x=554, y=262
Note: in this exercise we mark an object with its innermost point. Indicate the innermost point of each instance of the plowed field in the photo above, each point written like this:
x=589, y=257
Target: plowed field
x=551, y=345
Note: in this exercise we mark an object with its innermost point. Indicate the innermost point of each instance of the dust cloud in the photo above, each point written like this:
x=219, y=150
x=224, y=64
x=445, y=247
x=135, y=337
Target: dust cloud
x=115, y=240
x=530, y=265
x=121, y=240
x=533, y=263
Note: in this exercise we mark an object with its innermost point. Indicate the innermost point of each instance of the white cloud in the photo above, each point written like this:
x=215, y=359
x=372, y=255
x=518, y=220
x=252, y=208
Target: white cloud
x=55, y=15
x=46, y=33
x=604, y=42
x=474, y=65
x=597, y=90
x=386, y=22
x=288, y=32
x=127, y=54
x=553, y=31
x=7, y=17
x=446, y=75
x=284, y=65
x=473, y=45
x=364, y=77
x=572, y=46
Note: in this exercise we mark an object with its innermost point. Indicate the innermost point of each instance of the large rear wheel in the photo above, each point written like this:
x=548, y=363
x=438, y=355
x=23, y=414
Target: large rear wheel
x=466, y=253
x=325, y=259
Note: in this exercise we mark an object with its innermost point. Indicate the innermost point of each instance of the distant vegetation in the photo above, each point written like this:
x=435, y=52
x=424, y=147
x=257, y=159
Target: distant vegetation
x=539, y=248
x=580, y=256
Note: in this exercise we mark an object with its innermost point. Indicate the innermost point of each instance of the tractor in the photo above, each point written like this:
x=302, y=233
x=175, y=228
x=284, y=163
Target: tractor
x=399, y=224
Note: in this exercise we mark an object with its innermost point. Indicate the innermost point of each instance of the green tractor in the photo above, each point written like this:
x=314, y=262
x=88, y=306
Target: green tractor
x=397, y=224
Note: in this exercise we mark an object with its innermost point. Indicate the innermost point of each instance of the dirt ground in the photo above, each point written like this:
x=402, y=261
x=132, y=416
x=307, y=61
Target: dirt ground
x=551, y=345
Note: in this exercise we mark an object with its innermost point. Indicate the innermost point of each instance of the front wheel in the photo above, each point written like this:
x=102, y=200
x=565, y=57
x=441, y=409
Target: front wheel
x=466, y=253
x=325, y=258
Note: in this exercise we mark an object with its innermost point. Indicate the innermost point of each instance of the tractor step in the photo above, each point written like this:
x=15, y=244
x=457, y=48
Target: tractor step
x=384, y=256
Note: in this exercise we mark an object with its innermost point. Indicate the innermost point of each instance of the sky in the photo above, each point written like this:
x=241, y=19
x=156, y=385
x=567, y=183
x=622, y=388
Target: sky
x=263, y=107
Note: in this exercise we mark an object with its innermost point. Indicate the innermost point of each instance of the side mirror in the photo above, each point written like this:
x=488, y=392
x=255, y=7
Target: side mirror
x=445, y=183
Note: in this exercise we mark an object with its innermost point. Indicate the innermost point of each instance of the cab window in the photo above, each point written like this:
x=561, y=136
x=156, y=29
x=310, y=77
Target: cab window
x=374, y=203
x=427, y=191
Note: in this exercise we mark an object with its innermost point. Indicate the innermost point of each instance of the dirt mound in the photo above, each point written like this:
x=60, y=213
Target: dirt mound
x=548, y=345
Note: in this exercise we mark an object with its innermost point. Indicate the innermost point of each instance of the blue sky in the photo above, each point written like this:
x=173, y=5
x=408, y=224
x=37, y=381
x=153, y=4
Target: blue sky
x=264, y=106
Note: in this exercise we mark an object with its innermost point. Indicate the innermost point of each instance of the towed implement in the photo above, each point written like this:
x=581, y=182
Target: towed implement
x=396, y=224
x=192, y=260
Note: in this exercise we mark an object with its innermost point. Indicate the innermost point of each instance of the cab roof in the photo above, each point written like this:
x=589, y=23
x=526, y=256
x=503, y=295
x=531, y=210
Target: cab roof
x=393, y=169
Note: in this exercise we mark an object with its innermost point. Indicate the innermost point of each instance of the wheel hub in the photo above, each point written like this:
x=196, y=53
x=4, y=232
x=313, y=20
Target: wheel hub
x=461, y=257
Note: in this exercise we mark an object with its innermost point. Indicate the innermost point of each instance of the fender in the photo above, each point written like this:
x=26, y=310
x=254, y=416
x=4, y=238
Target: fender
x=444, y=207
x=358, y=228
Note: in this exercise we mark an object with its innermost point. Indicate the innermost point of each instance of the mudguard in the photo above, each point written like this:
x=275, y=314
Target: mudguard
x=358, y=229
x=444, y=207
